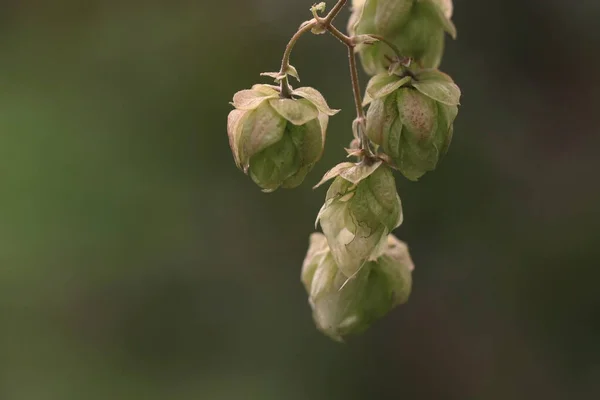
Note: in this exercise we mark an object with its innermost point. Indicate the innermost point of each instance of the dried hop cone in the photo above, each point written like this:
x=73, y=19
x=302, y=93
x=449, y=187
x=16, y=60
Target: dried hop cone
x=415, y=27
x=362, y=207
x=411, y=118
x=277, y=140
x=342, y=305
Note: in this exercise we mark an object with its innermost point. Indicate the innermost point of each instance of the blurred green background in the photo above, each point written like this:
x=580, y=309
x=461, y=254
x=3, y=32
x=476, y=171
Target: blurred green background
x=137, y=262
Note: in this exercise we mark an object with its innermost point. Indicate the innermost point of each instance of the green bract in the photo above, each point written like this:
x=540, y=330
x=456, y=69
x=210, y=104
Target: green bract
x=342, y=305
x=361, y=209
x=412, y=118
x=275, y=140
x=415, y=27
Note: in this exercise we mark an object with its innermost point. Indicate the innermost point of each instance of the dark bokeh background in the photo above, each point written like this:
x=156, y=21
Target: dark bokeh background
x=136, y=261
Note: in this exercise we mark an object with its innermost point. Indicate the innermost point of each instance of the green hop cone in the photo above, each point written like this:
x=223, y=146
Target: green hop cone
x=415, y=27
x=277, y=141
x=343, y=306
x=361, y=208
x=411, y=118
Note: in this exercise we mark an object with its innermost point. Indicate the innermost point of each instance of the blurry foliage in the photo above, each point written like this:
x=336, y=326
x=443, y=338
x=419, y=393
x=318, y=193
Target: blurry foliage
x=136, y=262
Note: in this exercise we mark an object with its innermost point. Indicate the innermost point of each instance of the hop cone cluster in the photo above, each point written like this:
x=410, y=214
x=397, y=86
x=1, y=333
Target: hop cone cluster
x=412, y=108
x=356, y=271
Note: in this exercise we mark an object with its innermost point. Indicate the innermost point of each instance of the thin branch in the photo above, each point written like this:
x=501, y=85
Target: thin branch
x=304, y=28
x=365, y=143
x=334, y=12
x=360, y=112
x=347, y=40
x=285, y=62
x=326, y=24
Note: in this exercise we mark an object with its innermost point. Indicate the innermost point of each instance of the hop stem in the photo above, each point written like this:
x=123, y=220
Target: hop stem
x=304, y=28
x=326, y=24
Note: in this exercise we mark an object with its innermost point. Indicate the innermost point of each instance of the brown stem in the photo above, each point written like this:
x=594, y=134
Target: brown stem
x=334, y=12
x=347, y=40
x=326, y=23
x=307, y=26
x=360, y=112
x=365, y=143
x=285, y=62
